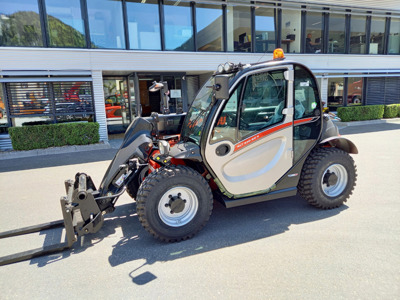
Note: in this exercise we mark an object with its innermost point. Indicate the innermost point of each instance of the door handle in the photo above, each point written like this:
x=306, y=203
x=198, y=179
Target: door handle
x=222, y=149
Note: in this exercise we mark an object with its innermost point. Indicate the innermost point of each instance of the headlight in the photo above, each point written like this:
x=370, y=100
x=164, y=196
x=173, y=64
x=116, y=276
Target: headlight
x=220, y=68
x=163, y=146
x=228, y=66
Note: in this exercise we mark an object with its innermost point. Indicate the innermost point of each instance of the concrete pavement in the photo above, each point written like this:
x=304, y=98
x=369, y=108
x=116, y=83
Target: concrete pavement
x=282, y=249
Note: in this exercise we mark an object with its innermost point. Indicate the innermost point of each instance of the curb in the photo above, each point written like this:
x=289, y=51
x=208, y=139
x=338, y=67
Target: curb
x=54, y=150
x=369, y=122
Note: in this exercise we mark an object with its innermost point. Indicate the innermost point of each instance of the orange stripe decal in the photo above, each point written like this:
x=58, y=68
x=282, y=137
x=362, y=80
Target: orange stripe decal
x=261, y=135
x=297, y=122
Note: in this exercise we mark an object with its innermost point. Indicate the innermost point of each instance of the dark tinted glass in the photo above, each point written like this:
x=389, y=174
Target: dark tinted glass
x=144, y=24
x=20, y=23
x=354, y=91
x=209, y=27
x=106, y=24
x=357, y=34
x=66, y=28
x=178, y=26
x=337, y=25
x=335, y=92
x=314, y=32
x=265, y=29
x=377, y=38
x=239, y=29
x=394, y=37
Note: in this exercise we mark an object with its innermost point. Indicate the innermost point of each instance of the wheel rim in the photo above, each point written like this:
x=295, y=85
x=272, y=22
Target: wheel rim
x=334, y=180
x=178, y=206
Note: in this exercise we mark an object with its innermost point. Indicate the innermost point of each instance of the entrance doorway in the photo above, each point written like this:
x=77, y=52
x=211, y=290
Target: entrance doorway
x=151, y=102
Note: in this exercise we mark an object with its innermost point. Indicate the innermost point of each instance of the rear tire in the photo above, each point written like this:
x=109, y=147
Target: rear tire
x=328, y=178
x=174, y=203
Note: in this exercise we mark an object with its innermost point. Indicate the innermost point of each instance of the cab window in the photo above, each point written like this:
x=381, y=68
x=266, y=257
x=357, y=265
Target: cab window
x=306, y=96
x=226, y=127
x=263, y=100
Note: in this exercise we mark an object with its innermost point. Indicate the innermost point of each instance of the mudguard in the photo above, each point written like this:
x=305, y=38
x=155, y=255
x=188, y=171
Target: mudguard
x=341, y=143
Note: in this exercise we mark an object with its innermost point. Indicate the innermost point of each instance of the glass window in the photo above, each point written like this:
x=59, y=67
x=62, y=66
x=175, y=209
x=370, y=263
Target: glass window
x=20, y=23
x=65, y=23
x=239, y=29
x=265, y=29
x=394, y=37
x=354, y=90
x=291, y=31
x=178, y=26
x=3, y=112
x=264, y=98
x=143, y=24
x=357, y=34
x=209, y=26
x=314, y=32
x=335, y=93
x=106, y=24
x=305, y=94
x=377, y=36
x=226, y=126
x=337, y=28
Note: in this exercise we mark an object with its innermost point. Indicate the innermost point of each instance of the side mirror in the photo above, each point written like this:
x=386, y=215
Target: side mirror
x=221, y=87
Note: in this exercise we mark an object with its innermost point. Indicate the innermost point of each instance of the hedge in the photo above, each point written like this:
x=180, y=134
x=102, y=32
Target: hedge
x=54, y=135
x=392, y=111
x=360, y=113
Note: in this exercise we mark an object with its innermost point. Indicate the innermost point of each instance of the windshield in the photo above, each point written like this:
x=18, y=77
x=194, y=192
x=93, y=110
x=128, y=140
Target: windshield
x=198, y=112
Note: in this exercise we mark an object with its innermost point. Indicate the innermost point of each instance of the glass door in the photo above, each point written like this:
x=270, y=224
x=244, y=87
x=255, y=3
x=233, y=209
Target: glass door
x=117, y=104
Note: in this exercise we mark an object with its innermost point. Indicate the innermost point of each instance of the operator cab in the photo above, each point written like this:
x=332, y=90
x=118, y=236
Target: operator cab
x=267, y=119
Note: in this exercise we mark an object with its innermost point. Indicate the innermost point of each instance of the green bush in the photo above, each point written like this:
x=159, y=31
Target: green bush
x=391, y=111
x=360, y=113
x=54, y=135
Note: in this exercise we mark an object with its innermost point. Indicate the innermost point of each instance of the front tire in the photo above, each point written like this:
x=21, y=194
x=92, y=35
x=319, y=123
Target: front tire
x=174, y=203
x=328, y=178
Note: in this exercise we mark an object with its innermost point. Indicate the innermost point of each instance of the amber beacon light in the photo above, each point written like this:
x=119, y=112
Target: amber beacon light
x=278, y=54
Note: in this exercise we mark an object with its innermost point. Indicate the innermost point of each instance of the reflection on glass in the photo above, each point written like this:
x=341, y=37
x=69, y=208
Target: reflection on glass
x=178, y=26
x=265, y=29
x=143, y=24
x=239, y=29
x=20, y=23
x=376, y=42
x=394, y=37
x=116, y=102
x=335, y=92
x=314, y=32
x=354, y=91
x=337, y=24
x=65, y=23
x=3, y=113
x=291, y=31
x=106, y=24
x=357, y=34
x=209, y=27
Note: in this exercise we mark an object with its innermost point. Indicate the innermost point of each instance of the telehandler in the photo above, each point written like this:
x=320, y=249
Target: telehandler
x=255, y=132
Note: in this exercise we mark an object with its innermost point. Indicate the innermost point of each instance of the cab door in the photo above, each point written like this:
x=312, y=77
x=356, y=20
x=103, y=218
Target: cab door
x=250, y=145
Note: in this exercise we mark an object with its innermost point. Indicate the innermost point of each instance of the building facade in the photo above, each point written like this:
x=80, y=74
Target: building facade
x=94, y=60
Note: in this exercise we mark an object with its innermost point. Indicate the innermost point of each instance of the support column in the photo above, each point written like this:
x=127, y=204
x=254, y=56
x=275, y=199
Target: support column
x=98, y=95
x=324, y=91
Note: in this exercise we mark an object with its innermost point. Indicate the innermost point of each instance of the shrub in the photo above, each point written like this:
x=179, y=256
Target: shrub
x=54, y=135
x=360, y=113
x=391, y=111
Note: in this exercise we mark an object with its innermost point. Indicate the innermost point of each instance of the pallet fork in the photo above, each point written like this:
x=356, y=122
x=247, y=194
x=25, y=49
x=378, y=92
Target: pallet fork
x=81, y=215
